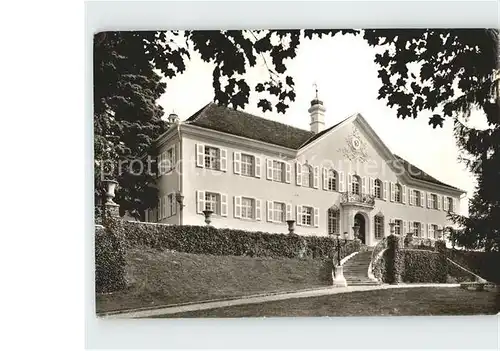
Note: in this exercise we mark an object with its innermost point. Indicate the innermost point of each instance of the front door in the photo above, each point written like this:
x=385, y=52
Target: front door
x=359, y=220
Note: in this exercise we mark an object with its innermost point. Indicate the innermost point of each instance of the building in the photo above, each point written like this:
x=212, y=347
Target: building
x=256, y=173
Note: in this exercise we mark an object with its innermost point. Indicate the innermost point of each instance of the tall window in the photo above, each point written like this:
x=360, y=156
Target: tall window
x=278, y=171
x=278, y=212
x=416, y=198
x=212, y=157
x=378, y=188
x=450, y=204
x=397, y=193
x=417, y=229
x=333, y=221
x=379, y=227
x=247, y=165
x=434, y=229
x=212, y=202
x=306, y=176
x=398, y=224
x=434, y=201
x=355, y=184
x=307, y=213
x=170, y=159
x=247, y=208
x=171, y=204
x=332, y=180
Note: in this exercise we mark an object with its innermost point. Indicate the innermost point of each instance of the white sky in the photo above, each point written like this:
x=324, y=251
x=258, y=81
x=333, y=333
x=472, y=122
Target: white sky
x=347, y=80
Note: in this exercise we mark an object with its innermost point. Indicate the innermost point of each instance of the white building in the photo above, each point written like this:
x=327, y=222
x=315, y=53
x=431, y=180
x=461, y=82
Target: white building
x=256, y=173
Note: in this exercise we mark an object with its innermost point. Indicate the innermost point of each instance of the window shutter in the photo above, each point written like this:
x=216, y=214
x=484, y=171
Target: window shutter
x=288, y=211
x=341, y=181
x=372, y=186
x=269, y=169
x=288, y=172
x=165, y=213
x=316, y=217
x=405, y=227
x=422, y=199
x=455, y=206
x=405, y=192
x=223, y=160
x=160, y=206
x=445, y=203
x=298, y=173
x=258, y=209
x=237, y=207
x=174, y=156
x=174, y=205
x=237, y=163
x=257, y=166
x=363, y=185
x=412, y=196
x=223, y=205
x=428, y=230
x=299, y=215
x=200, y=155
x=428, y=200
x=269, y=211
x=200, y=201
x=438, y=198
x=349, y=182
x=386, y=189
x=316, y=177
x=393, y=192
x=325, y=178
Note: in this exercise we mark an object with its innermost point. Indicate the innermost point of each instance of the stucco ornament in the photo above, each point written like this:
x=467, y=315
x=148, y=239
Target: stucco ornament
x=355, y=148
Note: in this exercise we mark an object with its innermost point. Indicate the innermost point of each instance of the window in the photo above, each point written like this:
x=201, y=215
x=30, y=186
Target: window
x=398, y=224
x=170, y=159
x=434, y=201
x=307, y=213
x=416, y=198
x=247, y=165
x=171, y=204
x=212, y=202
x=333, y=221
x=379, y=227
x=397, y=193
x=378, y=188
x=355, y=184
x=332, y=180
x=278, y=212
x=417, y=229
x=247, y=208
x=449, y=201
x=434, y=231
x=212, y=157
x=278, y=171
x=307, y=176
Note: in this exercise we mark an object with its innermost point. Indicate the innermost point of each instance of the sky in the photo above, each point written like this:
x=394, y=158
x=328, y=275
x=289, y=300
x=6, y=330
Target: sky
x=346, y=76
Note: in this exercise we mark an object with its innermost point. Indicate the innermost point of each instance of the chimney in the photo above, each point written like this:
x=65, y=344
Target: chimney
x=317, y=113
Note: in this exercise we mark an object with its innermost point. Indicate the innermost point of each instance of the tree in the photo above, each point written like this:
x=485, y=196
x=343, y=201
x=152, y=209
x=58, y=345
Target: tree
x=450, y=73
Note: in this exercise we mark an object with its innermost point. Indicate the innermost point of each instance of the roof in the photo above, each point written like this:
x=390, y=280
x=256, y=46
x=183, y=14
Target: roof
x=228, y=120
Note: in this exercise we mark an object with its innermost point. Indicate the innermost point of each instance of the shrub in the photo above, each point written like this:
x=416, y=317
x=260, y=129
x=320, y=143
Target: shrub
x=109, y=259
x=225, y=242
x=393, y=260
x=422, y=266
x=484, y=264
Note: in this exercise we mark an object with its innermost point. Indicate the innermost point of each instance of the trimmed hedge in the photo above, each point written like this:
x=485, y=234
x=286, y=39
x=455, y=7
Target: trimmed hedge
x=484, y=264
x=109, y=259
x=422, y=266
x=208, y=240
x=393, y=260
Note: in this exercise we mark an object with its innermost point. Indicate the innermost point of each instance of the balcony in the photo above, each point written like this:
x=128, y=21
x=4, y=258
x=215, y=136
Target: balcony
x=360, y=199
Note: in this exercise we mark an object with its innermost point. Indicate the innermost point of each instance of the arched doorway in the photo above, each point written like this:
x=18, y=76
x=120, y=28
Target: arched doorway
x=359, y=220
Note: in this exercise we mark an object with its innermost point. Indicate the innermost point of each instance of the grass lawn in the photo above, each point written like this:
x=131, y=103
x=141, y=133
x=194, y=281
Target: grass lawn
x=161, y=278
x=389, y=302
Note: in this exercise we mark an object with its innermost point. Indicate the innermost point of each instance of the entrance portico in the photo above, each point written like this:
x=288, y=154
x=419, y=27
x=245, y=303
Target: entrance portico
x=356, y=210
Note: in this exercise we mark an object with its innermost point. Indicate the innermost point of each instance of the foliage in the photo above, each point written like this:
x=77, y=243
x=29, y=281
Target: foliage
x=449, y=73
x=109, y=259
x=484, y=264
x=224, y=242
x=421, y=266
x=393, y=260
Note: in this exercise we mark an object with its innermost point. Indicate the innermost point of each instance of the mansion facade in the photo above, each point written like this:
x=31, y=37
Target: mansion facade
x=255, y=174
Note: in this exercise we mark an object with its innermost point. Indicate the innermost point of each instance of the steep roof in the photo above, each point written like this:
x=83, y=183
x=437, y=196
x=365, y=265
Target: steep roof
x=228, y=120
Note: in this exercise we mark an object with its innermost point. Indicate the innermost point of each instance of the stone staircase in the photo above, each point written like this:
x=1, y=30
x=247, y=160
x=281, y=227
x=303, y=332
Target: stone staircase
x=356, y=269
